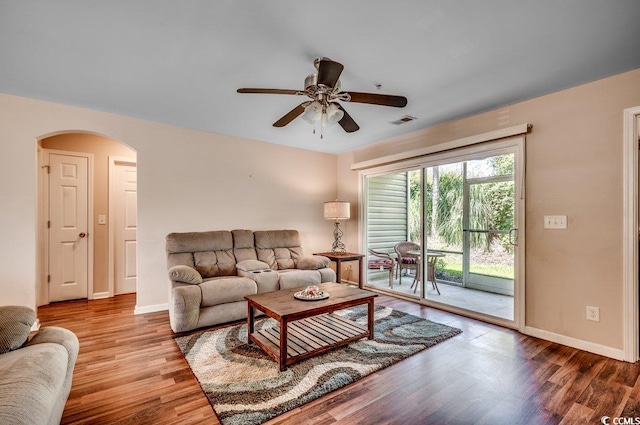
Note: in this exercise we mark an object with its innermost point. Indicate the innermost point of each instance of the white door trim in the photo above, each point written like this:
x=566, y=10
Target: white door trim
x=113, y=161
x=630, y=313
x=90, y=229
x=42, y=286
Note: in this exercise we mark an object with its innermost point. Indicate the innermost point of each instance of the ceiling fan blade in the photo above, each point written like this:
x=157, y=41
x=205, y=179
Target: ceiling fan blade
x=329, y=72
x=378, y=99
x=291, y=115
x=347, y=123
x=267, y=91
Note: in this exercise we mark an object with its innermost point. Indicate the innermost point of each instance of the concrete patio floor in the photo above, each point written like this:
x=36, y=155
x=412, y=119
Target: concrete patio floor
x=469, y=299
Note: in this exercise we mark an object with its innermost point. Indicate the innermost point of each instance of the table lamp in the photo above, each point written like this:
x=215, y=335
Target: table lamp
x=337, y=210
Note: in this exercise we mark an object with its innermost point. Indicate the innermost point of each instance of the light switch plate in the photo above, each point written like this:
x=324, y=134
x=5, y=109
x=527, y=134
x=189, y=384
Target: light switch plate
x=102, y=219
x=555, y=221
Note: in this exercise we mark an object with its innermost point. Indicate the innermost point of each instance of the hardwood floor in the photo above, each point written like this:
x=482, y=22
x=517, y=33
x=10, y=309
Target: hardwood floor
x=129, y=371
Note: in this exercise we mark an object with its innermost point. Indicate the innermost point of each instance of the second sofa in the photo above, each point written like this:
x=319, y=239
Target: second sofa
x=211, y=272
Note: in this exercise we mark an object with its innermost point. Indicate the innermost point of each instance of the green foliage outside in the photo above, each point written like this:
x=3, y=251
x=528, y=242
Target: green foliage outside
x=490, y=208
x=453, y=271
x=490, y=205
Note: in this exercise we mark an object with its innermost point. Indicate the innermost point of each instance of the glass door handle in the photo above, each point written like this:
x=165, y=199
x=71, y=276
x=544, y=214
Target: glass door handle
x=513, y=237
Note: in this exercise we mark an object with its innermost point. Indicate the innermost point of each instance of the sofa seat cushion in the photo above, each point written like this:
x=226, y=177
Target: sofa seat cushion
x=298, y=278
x=222, y=290
x=31, y=383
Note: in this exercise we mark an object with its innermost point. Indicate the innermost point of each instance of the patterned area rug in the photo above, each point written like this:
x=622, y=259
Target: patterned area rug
x=245, y=386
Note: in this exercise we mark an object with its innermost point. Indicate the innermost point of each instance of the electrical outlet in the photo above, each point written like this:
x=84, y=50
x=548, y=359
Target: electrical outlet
x=593, y=313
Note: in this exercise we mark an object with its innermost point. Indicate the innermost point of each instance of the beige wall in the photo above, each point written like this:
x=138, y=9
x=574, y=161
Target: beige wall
x=573, y=168
x=191, y=180
x=187, y=181
x=350, y=227
x=101, y=148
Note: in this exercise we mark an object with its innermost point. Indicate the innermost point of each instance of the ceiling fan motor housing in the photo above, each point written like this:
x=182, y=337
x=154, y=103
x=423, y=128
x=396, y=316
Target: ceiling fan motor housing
x=311, y=84
x=311, y=81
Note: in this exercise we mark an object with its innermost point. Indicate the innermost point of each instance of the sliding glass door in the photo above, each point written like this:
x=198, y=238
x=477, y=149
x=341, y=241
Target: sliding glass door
x=393, y=216
x=489, y=225
x=445, y=230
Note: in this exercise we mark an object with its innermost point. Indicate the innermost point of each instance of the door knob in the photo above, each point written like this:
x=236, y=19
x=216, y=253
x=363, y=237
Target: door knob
x=82, y=235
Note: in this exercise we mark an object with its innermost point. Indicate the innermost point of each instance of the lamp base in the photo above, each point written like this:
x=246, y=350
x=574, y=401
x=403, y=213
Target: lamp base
x=338, y=247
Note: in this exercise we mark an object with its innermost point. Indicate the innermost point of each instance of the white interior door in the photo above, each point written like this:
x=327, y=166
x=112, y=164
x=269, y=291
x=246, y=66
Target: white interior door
x=125, y=221
x=68, y=232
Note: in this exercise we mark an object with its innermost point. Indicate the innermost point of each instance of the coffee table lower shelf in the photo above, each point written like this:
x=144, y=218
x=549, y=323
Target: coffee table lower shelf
x=310, y=336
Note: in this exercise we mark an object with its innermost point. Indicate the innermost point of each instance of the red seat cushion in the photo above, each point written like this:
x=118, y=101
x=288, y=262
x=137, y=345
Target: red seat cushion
x=376, y=264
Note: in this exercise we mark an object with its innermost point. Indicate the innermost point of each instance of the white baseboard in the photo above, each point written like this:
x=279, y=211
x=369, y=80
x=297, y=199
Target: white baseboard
x=580, y=344
x=150, y=308
x=100, y=295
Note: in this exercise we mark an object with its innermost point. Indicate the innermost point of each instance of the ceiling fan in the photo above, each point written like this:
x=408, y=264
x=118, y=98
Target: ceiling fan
x=323, y=88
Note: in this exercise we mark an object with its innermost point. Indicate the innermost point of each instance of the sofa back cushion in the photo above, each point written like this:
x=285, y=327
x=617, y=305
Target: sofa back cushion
x=243, y=246
x=280, y=249
x=210, y=253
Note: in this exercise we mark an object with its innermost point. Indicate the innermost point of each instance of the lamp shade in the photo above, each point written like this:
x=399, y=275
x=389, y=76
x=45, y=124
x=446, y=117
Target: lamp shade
x=337, y=210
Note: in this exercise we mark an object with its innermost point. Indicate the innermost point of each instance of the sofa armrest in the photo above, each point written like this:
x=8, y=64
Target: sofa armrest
x=327, y=275
x=61, y=336
x=185, y=274
x=312, y=262
x=184, y=307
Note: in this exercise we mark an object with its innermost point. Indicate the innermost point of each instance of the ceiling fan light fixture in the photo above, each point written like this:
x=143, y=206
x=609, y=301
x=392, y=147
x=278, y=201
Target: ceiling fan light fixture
x=312, y=112
x=332, y=115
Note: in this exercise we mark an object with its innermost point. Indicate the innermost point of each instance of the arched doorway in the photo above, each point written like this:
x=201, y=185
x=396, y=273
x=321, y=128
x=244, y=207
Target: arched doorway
x=88, y=217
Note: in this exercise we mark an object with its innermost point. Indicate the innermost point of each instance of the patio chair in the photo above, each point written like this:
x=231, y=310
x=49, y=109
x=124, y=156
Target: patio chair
x=383, y=261
x=404, y=260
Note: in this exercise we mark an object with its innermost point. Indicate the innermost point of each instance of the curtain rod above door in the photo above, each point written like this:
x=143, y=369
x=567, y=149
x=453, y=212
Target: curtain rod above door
x=440, y=147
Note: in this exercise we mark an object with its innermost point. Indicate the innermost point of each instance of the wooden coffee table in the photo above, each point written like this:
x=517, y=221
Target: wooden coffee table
x=307, y=328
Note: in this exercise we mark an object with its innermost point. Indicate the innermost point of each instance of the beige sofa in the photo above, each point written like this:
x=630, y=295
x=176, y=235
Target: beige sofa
x=211, y=272
x=36, y=373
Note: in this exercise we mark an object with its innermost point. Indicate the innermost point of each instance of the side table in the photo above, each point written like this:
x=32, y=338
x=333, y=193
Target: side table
x=338, y=258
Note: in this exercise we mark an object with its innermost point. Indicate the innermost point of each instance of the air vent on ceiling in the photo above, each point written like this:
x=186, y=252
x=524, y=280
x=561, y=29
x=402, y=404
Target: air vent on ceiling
x=403, y=120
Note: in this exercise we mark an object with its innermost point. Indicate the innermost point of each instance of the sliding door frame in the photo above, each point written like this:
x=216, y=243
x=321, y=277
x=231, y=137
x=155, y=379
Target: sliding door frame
x=514, y=144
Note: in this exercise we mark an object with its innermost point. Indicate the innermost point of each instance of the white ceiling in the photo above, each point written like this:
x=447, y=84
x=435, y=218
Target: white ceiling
x=180, y=62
